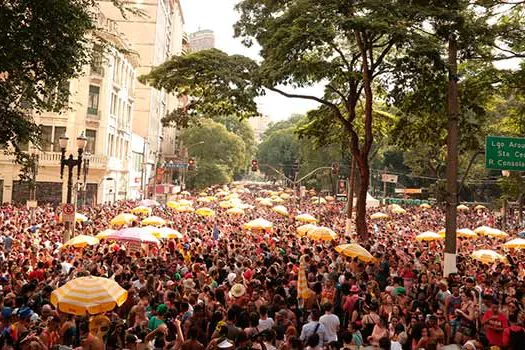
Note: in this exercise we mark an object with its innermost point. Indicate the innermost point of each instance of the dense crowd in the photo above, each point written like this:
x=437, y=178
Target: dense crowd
x=223, y=287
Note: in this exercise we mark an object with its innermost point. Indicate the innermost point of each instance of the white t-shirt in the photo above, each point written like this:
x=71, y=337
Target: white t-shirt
x=331, y=323
x=66, y=267
x=265, y=324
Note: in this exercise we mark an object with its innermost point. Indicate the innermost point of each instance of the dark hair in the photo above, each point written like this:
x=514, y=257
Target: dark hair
x=385, y=343
x=313, y=340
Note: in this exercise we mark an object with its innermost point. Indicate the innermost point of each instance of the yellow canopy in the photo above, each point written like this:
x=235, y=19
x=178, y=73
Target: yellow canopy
x=461, y=233
x=321, y=234
x=185, y=209
x=154, y=220
x=354, y=250
x=81, y=241
x=258, y=224
x=277, y=200
x=88, y=295
x=285, y=196
x=105, y=233
x=516, y=243
x=379, y=216
x=152, y=230
x=330, y=198
x=266, y=202
x=318, y=200
x=428, y=236
x=425, y=206
x=281, y=210
x=141, y=210
x=169, y=233
x=304, y=229
x=306, y=218
x=185, y=193
x=480, y=207
x=399, y=210
x=488, y=256
x=123, y=219
x=225, y=204
x=494, y=232
x=235, y=211
x=205, y=212
x=80, y=217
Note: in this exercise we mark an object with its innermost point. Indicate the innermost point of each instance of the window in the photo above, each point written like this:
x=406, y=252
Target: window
x=47, y=137
x=91, y=136
x=110, y=145
x=97, y=60
x=59, y=131
x=94, y=93
x=138, y=161
x=113, y=104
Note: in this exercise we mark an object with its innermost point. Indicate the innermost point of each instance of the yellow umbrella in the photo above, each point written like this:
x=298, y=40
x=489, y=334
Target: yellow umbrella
x=258, y=224
x=303, y=292
x=425, y=206
x=203, y=194
x=80, y=217
x=105, y=233
x=226, y=204
x=462, y=207
x=88, y=295
x=205, y=212
x=167, y=232
x=141, y=210
x=354, y=250
x=306, y=218
x=266, y=202
x=399, y=210
x=321, y=234
x=330, y=198
x=204, y=200
x=494, y=232
x=152, y=230
x=185, y=209
x=428, y=236
x=461, y=233
x=317, y=200
x=304, y=229
x=81, y=241
x=480, y=207
x=516, y=243
x=172, y=204
x=154, y=220
x=123, y=219
x=285, y=196
x=379, y=216
x=185, y=193
x=221, y=194
x=277, y=200
x=488, y=256
x=280, y=209
x=235, y=211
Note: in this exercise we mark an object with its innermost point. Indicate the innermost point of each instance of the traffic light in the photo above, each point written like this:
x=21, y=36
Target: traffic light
x=335, y=168
x=191, y=164
x=255, y=165
x=295, y=166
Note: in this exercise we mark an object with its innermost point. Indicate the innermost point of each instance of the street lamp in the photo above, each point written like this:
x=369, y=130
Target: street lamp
x=33, y=158
x=71, y=163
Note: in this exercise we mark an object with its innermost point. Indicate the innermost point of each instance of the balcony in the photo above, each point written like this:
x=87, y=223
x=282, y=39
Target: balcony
x=96, y=70
x=96, y=161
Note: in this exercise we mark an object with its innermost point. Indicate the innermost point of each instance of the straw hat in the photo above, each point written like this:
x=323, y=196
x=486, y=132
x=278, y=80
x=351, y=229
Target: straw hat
x=237, y=290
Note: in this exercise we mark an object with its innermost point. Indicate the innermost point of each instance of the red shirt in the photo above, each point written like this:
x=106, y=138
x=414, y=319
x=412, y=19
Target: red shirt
x=38, y=275
x=500, y=321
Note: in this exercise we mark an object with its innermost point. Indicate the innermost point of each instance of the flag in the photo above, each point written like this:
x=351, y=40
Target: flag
x=216, y=232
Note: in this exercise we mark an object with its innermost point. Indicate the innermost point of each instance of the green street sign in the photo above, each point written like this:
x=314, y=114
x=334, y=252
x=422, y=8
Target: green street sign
x=505, y=153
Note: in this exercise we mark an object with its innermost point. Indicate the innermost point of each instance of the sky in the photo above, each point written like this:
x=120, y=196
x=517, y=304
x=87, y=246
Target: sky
x=220, y=16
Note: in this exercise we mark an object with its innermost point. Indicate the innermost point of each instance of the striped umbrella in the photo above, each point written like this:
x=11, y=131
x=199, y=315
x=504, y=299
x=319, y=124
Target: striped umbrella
x=154, y=221
x=88, y=295
x=321, y=234
x=306, y=218
x=133, y=234
x=81, y=241
x=516, y=243
x=105, y=233
x=354, y=250
x=304, y=229
x=303, y=292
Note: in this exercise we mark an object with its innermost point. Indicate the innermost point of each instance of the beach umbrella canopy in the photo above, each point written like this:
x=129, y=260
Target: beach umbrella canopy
x=480, y=207
x=205, y=212
x=88, y=295
x=226, y=204
x=462, y=207
x=267, y=202
x=321, y=234
x=133, y=234
x=169, y=233
x=330, y=198
x=318, y=200
x=105, y=233
x=303, y=292
x=185, y=193
x=235, y=211
x=154, y=220
x=398, y=210
x=379, y=216
x=149, y=203
x=494, y=232
x=304, y=229
x=185, y=209
x=306, y=218
x=258, y=224
x=285, y=196
x=141, y=210
x=488, y=256
x=425, y=206
x=461, y=233
x=516, y=243
x=428, y=236
x=123, y=219
x=281, y=209
x=81, y=241
x=80, y=217
x=155, y=231
x=354, y=250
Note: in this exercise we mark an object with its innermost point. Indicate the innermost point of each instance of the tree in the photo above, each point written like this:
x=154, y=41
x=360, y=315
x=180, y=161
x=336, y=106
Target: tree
x=279, y=149
x=242, y=128
x=222, y=150
x=43, y=44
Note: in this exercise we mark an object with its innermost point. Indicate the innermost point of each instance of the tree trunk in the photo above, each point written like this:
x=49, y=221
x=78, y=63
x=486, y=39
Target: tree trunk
x=363, y=182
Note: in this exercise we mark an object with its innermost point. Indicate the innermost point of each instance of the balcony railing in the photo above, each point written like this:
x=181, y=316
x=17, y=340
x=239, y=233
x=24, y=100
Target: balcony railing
x=96, y=161
x=97, y=69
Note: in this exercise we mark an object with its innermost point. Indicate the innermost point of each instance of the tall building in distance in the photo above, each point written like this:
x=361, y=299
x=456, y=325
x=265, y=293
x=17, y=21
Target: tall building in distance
x=202, y=40
x=259, y=126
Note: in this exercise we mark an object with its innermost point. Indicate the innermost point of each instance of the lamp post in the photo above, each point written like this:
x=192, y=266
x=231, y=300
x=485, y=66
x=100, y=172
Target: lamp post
x=70, y=162
x=185, y=159
x=33, y=153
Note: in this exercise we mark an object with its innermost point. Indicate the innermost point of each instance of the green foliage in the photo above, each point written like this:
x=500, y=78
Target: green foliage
x=242, y=128
x=208, y=174
x=221, y=149
x=279, y=149
x=219, y=84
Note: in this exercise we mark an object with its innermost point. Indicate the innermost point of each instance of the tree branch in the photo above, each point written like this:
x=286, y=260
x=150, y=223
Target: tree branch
x=382, y=55
x=340, y=52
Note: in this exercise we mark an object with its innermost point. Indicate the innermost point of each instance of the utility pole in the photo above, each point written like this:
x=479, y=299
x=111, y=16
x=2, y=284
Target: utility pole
x=384, y=187
x=350, y=198
x=452, y=159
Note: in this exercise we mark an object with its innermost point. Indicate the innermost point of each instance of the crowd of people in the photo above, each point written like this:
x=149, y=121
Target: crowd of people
x=224, y=287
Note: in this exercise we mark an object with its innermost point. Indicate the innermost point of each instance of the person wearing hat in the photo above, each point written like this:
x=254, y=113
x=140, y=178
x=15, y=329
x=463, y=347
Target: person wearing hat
x=237, y=295
x=159, y=319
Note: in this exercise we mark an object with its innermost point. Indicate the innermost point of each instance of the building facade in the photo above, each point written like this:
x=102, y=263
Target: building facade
x=101, y=105
x=202, y=40
x=157, y=35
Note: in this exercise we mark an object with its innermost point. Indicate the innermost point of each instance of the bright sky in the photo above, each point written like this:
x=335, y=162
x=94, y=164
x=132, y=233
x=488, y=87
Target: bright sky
x=220, y=16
